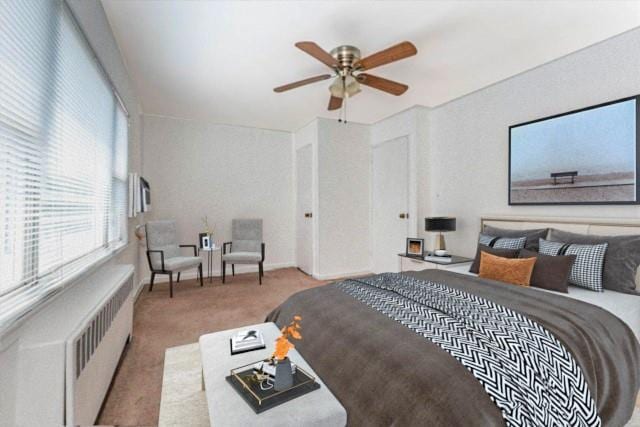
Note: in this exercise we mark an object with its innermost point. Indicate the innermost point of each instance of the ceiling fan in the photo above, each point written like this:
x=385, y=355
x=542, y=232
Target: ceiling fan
x=349, y=68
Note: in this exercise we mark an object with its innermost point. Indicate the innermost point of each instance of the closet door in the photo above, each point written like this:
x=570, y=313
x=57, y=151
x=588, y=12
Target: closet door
x=390, y=203
x=304, y=214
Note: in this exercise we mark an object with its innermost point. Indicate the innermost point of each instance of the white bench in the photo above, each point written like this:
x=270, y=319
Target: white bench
x=228, y=408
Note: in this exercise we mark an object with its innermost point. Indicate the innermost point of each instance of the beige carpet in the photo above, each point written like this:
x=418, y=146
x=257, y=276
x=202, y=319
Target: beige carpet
x=160, y=323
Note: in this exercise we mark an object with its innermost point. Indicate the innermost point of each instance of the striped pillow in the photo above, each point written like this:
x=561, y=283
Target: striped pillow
x=587, y=269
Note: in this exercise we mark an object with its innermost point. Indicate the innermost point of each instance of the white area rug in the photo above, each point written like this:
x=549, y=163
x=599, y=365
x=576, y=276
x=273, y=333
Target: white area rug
x=183, y=403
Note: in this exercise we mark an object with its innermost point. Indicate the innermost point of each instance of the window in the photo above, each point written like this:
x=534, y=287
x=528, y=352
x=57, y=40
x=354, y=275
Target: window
x=63, y=155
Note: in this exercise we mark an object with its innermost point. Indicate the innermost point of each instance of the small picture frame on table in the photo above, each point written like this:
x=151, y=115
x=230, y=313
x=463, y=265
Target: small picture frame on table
x=205, y=241
x=415, y=247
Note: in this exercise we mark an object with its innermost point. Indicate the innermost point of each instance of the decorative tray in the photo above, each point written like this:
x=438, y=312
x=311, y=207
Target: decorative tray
x=241, y=379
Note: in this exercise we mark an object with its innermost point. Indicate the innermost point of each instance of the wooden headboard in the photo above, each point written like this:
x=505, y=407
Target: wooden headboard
x=594, y=226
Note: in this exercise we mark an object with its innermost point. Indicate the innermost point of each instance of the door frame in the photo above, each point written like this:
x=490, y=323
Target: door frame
x=412, y=190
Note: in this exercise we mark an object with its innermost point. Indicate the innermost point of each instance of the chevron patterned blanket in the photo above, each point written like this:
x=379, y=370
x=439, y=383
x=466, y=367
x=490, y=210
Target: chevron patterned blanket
x=525, y=370
x=439, y=348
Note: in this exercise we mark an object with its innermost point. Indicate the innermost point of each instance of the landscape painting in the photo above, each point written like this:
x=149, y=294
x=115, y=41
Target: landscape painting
x=583, y=157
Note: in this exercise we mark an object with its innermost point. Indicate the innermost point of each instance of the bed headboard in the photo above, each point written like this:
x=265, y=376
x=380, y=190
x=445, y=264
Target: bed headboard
x=594, y=226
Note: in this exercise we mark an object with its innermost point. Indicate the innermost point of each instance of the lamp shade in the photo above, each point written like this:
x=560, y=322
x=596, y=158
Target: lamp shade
x=440, y=223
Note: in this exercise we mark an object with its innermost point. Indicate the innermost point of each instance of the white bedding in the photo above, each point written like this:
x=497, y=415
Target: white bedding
x=625, y=306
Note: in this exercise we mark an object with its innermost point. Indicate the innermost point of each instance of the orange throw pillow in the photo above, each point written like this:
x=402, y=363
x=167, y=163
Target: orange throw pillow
x=516, y=271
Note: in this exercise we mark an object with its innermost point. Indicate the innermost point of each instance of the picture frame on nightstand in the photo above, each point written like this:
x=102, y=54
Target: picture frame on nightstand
x=415, y=247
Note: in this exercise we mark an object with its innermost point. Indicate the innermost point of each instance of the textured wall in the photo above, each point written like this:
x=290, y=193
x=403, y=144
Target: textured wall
x=469, y=136
x=224, y=172
x=344, y=181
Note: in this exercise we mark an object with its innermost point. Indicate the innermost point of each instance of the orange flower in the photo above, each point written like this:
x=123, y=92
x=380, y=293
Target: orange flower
x=283, y=345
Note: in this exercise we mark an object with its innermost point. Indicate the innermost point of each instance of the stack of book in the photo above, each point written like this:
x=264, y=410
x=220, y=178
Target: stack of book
x=245, y=341
x=437, y=258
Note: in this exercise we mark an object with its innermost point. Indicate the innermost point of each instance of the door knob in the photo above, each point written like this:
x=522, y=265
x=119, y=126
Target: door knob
x=308, y=214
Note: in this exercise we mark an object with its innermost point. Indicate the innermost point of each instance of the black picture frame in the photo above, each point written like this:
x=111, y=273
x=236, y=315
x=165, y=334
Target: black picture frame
x=201, y=238
x=637, y=166
x=416, y=254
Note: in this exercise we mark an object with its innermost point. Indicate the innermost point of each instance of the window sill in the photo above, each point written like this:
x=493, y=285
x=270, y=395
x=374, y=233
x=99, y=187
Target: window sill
x=15, y=322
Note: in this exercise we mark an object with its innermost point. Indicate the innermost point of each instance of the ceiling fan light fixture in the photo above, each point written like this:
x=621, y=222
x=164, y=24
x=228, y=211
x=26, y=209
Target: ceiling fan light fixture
x=350, y=88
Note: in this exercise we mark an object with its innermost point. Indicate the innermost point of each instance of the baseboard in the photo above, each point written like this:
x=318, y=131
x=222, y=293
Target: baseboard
x=139, y=289
x=341, y=275
x=240, y=268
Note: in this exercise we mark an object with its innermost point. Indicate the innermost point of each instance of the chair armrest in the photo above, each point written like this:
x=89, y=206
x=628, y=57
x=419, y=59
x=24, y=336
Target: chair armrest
x=262, y=247
x=224, y=247
x=149, y=252
x=195, y=249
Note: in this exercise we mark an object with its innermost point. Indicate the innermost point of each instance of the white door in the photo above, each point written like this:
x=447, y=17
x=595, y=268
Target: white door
x=390, y=193
x=304, y=214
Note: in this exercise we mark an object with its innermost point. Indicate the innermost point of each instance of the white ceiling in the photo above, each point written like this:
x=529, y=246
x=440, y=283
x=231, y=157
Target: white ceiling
x=219, y=61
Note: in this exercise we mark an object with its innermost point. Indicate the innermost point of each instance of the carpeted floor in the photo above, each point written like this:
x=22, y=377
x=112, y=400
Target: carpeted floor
x=160, y=322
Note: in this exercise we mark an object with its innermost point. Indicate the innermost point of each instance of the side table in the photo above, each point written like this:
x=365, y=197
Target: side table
x=210, y=252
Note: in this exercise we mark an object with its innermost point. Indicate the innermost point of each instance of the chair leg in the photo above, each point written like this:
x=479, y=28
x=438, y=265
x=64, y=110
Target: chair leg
x=153, y=276
x=200, y=274
x=178, y=281
x=260, y=273
x=224, y=270
x=233, y=269
x=170, y=285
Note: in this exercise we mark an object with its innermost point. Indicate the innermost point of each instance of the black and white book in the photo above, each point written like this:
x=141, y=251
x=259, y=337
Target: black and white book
x=247, y=341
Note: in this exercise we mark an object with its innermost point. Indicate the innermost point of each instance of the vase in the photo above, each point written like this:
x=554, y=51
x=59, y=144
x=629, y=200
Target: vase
x=284, y=377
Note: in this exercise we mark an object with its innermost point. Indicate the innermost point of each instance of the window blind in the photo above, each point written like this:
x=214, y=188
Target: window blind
x=63, y=155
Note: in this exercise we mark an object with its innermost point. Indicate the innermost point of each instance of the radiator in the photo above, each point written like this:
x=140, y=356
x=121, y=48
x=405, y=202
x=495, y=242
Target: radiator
x=56, y=368
x=93, y=354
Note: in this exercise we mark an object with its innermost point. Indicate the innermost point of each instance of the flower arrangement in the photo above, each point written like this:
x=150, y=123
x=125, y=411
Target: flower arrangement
x=207, y=228
x=283, y=345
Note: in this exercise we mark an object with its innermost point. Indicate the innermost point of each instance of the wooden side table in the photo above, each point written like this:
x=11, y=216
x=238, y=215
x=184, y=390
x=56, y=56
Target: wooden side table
x=458, y=264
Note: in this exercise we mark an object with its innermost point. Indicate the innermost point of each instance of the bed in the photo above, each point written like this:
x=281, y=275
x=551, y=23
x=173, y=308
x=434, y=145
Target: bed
x=391, y=359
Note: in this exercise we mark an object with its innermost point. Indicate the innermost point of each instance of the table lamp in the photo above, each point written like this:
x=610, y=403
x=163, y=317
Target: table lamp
x=440, y=224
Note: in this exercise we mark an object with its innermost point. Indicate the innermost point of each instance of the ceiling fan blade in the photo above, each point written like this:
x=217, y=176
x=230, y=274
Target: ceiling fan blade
x=389, y=86
x=317, y=52
x=394, y=53
x=301, y=83
x=334, y=103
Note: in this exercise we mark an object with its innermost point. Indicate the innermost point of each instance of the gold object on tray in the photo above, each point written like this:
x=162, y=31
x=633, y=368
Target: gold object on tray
x=243, y=379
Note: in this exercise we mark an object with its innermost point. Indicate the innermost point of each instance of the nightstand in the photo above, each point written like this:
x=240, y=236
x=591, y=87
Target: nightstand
x=458, y=264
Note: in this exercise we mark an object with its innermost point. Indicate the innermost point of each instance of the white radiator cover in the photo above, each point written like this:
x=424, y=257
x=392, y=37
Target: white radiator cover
x=67, y=353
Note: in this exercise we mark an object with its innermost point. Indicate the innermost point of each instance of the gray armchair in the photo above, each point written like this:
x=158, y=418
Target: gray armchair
x=163, y=253
x=245, y=247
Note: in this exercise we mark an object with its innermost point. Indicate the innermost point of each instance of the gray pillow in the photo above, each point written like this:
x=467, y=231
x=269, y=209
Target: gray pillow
x=620, y=262
x=532, y=236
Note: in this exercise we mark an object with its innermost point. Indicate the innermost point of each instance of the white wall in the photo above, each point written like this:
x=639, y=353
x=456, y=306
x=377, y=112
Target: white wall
x=344, y=180
x=469, y=136
x=225, y=172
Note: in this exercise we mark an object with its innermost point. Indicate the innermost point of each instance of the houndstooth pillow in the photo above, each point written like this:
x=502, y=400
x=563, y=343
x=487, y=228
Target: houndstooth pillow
x=587, y=269
x=502, y=242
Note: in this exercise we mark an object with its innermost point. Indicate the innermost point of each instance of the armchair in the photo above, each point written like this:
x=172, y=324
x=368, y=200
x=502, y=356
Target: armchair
x=246, y=246
x=163, y=253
